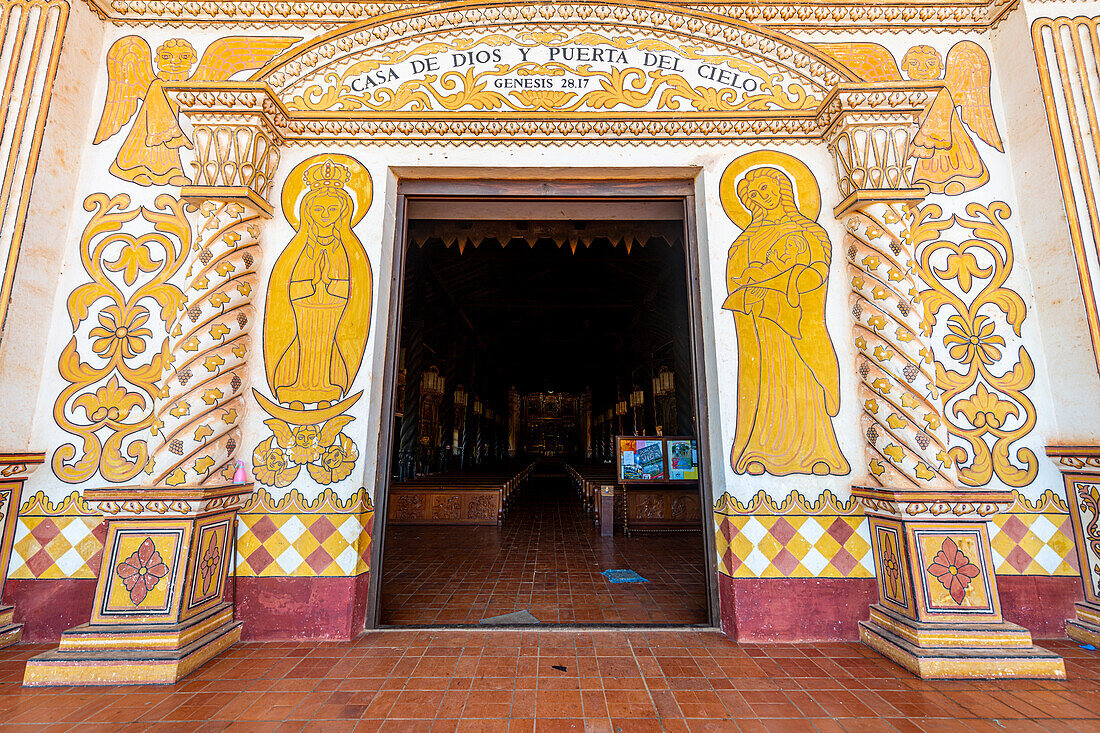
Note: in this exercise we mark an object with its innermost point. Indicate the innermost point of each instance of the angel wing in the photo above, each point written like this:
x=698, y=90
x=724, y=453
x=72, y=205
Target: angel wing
x=226, y=56
x=129, y=74
x=967, y=76
x=869, y=61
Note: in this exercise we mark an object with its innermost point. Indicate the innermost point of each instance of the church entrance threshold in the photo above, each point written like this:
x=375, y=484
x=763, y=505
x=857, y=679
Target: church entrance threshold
x=535, y=322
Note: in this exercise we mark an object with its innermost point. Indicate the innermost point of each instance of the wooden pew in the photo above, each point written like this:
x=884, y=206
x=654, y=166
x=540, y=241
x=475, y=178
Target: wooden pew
x=588, y=480
x=639, y=508
x=662, y=509
x=454, y=497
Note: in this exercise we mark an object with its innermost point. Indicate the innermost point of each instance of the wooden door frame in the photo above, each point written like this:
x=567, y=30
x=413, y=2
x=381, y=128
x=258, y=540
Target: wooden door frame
x=681, y=189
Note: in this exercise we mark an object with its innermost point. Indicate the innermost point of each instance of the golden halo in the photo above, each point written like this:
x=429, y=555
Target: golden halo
x=807, y=196
x=359, y=184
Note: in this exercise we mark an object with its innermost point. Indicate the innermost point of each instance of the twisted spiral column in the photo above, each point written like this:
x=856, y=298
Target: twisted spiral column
x=201, y=404
x=901, y=418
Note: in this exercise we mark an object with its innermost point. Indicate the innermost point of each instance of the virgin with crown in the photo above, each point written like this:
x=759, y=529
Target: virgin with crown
x=317, y=322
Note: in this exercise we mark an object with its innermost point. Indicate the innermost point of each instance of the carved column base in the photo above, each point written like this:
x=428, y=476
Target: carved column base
x=14, y=469
x=1086, y=627
x=1080, y=467
x=159, y=611
x=10, y=632
x=131, y=655
x=952, y=651
x=939, y=614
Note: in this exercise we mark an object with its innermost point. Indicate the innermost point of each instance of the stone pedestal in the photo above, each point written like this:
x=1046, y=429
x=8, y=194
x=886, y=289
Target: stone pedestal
x=159, y=611
x=1080, y=466
x=14, y=468
x=938, y=614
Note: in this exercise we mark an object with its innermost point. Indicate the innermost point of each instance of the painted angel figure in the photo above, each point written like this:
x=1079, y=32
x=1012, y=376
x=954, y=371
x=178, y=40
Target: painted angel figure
x=150, y=154
x=948, y=161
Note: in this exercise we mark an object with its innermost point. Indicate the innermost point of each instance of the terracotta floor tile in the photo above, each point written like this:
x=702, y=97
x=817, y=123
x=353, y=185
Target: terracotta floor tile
x=876, y=697
x=546, y=558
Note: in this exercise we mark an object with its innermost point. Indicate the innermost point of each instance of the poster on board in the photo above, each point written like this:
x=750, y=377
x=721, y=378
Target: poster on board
x=641, y=459
x=683, y=459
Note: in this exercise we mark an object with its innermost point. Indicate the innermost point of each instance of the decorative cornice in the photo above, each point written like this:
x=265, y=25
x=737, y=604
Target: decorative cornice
x=262, y=502
x=828, y=16
x=1072, y=458
x=145, y=501
x=39, y=505
x=1048, y=502
x=827, y=504
x=967, y=504
x=18, y=465
x=794, y=503
x=255, y=103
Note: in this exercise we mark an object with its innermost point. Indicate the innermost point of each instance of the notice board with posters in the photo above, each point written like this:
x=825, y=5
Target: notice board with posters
x=641, y=459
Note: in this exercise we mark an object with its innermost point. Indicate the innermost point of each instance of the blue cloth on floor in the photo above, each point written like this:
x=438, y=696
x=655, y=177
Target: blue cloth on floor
x=623, y=576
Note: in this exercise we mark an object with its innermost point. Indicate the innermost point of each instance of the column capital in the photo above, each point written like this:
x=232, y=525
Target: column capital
x=917, y=504
x=236, y=141
x=1075, y=458
x=869, y=134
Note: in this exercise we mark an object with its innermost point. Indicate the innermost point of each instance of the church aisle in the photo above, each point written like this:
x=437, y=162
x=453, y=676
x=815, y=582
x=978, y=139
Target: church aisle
x=546, y=559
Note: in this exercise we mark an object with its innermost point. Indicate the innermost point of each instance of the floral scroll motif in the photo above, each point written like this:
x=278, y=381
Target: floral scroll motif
x=632, y=88
x=953, y=569
x=983, y=382
x=1089, y=497
x=142, y=571
x=621, y=87
x=112, y=368
x=890, y=567
x=211, y=559
x=328, y=454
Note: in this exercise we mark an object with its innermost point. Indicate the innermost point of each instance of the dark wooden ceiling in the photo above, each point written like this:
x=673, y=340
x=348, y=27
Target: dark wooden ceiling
x=552, y=316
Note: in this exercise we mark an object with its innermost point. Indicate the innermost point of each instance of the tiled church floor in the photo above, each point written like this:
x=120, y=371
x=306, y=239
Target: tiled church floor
x=622, y=681
x=547, y=559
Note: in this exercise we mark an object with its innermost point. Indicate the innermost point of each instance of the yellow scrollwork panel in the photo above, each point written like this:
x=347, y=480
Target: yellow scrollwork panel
x=621, y=86
x=788, y=380
x=984, y=387
x=112, y=372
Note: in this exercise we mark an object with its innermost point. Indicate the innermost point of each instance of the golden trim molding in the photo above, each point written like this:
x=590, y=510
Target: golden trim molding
x=33, y=29
x=825, y=15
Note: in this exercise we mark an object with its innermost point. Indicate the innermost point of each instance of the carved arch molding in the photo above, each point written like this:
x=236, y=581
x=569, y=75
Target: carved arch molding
x=813, y=15
x=554, y=74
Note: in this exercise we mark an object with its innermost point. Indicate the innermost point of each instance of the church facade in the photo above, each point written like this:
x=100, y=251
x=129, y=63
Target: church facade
x=892, y=232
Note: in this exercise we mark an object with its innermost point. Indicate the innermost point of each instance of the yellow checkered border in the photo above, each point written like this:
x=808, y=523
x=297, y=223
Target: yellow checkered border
x=751, y=539
x=55, y=540
x=328, y=537
x=1047, y=546
x=793, y=546
x=294, y=537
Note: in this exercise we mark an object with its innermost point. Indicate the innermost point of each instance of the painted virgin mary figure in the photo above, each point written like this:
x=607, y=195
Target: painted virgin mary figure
x=788, y=380
x=318, y=308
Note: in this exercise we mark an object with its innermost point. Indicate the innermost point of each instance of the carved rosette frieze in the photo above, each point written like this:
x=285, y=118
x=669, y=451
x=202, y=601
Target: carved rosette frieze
x=201, y=400
x=835, y=15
